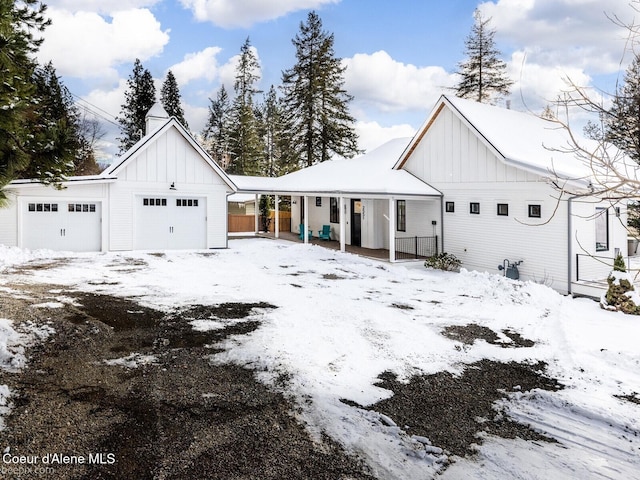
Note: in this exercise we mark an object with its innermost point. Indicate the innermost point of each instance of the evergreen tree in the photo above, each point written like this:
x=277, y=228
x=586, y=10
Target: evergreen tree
x=483, y=74
x=245, y=144
x=272, y=132
x=622, y=121
x=315, y=102
x=29, y=142
x=217, y=130
x=170, y=99
x=139, y=98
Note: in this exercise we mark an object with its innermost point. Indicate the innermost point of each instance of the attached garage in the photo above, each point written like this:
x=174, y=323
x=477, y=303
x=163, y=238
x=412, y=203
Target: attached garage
x=57, y=224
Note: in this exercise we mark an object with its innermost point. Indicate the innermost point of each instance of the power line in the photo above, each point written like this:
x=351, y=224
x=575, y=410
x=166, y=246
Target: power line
x=97, y=111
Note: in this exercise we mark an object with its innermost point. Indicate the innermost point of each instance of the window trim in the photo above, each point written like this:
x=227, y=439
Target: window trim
x=318, y=201
x=602, y=213
x=504, y=213
x=334, y=210
x=450, y=207
x=472, y=210
x=401, y=215
x=531, y=210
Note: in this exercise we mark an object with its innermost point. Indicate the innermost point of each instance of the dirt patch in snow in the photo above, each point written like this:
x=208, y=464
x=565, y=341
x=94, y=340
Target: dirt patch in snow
x=454, y=412
x=159, y=408
x=468, y=334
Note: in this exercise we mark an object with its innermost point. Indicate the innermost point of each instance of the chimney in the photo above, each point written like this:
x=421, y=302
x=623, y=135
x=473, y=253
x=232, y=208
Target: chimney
x=156, y=118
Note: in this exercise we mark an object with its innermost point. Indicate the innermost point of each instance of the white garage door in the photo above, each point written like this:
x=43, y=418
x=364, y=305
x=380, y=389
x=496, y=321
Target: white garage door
x=170, y=223
x=62, y=225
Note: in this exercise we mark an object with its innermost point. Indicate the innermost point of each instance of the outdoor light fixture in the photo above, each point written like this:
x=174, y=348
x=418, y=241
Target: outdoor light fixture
x=173, y=186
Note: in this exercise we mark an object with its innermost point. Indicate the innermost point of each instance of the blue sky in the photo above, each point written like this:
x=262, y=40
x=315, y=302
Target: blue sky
x=400, y=55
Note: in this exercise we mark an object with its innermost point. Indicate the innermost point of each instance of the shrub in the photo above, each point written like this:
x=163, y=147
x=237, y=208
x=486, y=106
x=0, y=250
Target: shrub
x=443, y=261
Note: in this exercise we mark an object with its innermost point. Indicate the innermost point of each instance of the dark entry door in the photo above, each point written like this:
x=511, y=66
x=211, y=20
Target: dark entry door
x=356, y=222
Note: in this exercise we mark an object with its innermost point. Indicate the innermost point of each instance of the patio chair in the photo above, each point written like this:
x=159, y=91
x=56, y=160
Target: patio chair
x=301, y=236
x=325, y=233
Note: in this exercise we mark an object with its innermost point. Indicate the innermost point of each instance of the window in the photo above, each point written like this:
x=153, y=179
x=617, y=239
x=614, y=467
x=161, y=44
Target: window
x=186, y=202
x=602, y=229
x=474, y=207
x=450, y=207
x=334, y=212
x=535, y=211
x=42, y=207
x=81, y=207
x=401, y=215
x=318, y=201
x=503, y=209
x=154, y=202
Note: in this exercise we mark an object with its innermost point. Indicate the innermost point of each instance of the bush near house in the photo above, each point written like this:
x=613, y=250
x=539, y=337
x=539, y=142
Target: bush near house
x=443, y=261
x=621, y=294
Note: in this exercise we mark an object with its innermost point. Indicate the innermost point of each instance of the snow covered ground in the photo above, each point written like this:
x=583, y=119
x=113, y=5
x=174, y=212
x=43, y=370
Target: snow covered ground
x=341, y=320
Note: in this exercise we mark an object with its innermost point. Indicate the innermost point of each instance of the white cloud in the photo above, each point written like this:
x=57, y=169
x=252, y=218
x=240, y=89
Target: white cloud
x=85, y=44
x=100, y=6
x=377, y=80
x=372, y=134
x=571, y=33
x=197, y=65
x=244, y=13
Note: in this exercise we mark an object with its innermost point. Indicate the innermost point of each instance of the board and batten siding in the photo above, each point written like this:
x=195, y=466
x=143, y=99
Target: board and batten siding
x=452, y=158
x=169, y=159
x=9, y=221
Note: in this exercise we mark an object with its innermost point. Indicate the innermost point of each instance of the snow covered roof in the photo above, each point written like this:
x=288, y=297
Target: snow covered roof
x=368, y=174
x=523, y=140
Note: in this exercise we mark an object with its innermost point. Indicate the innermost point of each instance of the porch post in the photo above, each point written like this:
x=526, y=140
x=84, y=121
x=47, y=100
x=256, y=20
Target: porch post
x=341, y=217
x=392, y=230
x=277, y=226
x=255, y=213
x=305, y=225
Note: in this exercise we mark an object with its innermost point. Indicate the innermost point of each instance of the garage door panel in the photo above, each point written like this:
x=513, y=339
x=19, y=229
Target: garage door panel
x=170, y=223
x=62, y=225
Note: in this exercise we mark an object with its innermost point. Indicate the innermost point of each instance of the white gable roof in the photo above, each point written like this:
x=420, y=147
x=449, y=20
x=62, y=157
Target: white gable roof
x=522, y=140
x=144, y=143
x=369, y=174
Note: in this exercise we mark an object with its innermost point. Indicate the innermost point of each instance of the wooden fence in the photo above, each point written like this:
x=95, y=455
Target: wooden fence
x=247, y=223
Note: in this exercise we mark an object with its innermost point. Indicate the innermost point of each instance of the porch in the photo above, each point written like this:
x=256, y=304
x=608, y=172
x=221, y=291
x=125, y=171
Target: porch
x=417, y=248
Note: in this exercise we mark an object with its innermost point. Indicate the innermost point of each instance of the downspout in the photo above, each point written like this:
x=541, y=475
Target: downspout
x=441, y=223
x=569, y=241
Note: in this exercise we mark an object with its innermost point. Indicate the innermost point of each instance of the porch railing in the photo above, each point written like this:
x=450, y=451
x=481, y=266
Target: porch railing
x=592, y=268
x=416, y=247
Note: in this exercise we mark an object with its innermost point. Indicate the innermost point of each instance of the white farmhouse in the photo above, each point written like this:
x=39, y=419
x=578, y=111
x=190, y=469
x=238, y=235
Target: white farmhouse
x=163, y=193
x=477, y=181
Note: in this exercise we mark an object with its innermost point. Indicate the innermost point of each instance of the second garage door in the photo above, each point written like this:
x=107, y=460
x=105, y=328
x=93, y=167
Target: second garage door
x=170, y=223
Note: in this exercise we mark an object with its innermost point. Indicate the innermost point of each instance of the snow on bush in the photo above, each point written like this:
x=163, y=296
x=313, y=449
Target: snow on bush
x=621, y=294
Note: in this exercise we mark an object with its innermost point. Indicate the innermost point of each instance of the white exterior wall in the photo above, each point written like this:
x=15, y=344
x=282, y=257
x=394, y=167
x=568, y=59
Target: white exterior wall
x=170, y=159
x=9, y=221
x=454, y=160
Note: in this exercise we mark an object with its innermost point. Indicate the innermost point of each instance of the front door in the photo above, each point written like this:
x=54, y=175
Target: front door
x=356, y=223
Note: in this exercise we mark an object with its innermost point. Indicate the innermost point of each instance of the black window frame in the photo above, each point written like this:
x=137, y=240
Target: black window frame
x=475, y=211
x=504, y=213
x=450, y=207
x=602, y=212
x=318, y=201
x=401, y=215
x=531, y=210
x=334, y=210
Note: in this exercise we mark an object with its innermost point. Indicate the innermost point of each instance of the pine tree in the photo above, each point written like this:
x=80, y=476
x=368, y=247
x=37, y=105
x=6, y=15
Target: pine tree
x=315, y=102
x=245, y=144
x=170, y=99
x=139, y=98
x=622, y=121
x=272, y=132
x=28, y=143
x=217, y=130
x=483, y=74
